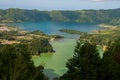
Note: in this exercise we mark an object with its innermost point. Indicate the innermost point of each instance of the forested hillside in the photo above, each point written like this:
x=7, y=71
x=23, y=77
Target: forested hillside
x=81, y=16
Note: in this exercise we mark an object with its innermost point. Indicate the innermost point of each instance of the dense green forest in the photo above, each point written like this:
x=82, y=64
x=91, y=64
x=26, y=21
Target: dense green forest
x=16, y=64
x=110, y=16
x=86, y=64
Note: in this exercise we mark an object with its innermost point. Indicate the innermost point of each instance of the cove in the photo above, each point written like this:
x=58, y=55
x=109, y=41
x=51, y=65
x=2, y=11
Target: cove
x=55, y=63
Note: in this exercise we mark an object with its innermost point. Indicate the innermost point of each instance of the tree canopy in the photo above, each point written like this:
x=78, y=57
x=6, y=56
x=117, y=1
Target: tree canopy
x=86, y=63
x=16, y=64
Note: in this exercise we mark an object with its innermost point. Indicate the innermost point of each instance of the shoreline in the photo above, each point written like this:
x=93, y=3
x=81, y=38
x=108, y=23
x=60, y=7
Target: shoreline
x=107, y=26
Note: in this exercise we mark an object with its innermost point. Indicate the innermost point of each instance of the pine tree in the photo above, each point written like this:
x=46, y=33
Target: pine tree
x=110, y=67
x=16, y=64
x=83, y=65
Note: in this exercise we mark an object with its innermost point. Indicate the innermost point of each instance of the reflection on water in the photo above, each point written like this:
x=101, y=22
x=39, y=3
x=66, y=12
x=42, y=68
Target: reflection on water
x=50, y=73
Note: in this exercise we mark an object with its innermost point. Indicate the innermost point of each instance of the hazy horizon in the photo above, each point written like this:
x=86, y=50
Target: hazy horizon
x=61, y=4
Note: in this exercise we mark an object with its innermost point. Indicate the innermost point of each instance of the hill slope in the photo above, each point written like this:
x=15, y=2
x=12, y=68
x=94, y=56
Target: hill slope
x=81, y=16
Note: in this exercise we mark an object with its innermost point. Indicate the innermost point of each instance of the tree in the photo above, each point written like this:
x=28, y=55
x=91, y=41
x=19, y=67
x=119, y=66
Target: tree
x=110, y=67
x=39, y=46
x=83, y=65
x=87, y=65
x=16, y=64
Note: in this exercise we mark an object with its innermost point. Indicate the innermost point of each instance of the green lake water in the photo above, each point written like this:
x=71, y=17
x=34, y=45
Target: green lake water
x=55, y=63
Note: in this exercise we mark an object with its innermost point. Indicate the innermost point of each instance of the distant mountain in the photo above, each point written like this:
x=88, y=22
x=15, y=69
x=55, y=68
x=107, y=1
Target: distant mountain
x=111, y=16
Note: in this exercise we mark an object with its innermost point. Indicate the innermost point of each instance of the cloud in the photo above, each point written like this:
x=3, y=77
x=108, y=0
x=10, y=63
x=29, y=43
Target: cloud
x=105, y=0
x=98, y=0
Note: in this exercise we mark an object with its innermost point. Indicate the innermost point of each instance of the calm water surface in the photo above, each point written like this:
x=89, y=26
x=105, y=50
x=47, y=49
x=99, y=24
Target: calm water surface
x=55, y=63
x=54, y=27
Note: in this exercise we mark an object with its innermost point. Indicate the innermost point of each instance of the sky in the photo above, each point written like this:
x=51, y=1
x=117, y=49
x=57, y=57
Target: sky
x=60, y=4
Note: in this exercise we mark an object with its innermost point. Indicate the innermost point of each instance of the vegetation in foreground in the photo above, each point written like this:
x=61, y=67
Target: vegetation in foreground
x=16, y=64
x=86, y=63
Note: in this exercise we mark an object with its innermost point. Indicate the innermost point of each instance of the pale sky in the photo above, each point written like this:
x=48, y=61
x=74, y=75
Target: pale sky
x=60, y=4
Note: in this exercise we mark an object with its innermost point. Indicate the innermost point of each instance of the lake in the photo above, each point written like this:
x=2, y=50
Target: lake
x=55, y=63
x=53, y=27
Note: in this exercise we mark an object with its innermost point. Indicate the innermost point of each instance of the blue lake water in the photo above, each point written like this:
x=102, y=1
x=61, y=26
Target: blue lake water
x=54, y=27
x=55, y=63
